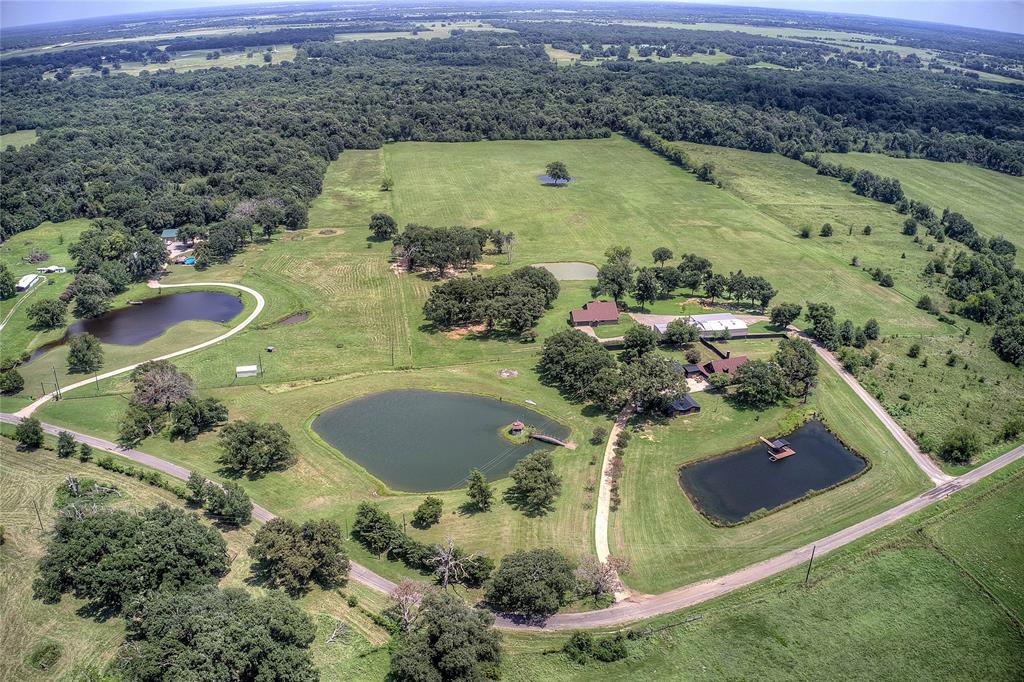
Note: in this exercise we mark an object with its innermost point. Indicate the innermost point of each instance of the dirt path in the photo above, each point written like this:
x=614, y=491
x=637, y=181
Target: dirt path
x=922, y=460
x=260, y=304
x=604, y=494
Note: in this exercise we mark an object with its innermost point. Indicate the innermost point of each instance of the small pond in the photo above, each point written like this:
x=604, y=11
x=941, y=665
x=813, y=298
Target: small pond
x=570, y=271
x=731, y=487
x=133, y=325
x=419, y=441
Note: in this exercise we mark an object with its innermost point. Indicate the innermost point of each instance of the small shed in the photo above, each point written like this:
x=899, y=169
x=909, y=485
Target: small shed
x=26, y=282
x=684, y=405
x=517, y=427
x=170, y=235
x=243, y=371
x=51, y=269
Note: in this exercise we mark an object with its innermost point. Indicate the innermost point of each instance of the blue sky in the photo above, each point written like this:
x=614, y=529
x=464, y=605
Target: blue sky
x=1003, y=15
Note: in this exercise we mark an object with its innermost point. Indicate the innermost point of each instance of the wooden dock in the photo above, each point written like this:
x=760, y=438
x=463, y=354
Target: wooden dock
x=777, y=450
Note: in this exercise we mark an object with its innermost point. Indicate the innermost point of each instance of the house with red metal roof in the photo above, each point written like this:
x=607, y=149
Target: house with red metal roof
x=593, y=313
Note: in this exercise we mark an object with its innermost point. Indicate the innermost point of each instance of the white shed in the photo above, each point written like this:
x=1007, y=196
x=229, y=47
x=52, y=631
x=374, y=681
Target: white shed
x=243, y=371
x=26, y=282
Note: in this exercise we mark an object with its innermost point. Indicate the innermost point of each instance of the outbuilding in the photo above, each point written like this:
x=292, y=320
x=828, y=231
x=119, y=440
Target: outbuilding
x=169, y=236
x=51, y=269
x=594, y=313
x=26, y=282
x=684, y=405
x=724, y=366
x=716, y=324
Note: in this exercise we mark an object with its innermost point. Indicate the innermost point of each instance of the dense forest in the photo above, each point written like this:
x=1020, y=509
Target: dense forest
x=171, y=149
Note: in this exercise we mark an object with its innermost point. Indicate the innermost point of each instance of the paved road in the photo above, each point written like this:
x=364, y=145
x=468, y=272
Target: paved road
x=359, y=573
x=260, y=304
x=636, y=607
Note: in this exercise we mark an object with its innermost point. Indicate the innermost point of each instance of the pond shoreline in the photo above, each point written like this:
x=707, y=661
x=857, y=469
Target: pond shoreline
x=762, y=512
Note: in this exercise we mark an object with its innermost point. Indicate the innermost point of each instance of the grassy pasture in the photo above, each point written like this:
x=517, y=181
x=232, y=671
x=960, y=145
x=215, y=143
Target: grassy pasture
x=18, y=139
x=881, y=608
x=993, y=201
x=193, y=60
x=431, y=30
x=32, y=478
x=669, y=543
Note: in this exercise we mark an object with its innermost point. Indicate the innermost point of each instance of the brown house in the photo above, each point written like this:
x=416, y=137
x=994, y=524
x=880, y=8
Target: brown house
x=724, y=366
x=593, y=313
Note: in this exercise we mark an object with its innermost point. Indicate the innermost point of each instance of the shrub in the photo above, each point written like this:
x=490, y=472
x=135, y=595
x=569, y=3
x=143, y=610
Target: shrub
x=428, y=513
x=805, y=233
x=826, y=230
x=914, y=351
x=44, y=655
x=960, y=445
x=29, y=433
x=599, y=435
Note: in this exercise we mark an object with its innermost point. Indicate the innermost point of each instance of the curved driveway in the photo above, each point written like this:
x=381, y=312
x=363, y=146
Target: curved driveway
x=636, y=607
x=260, y=304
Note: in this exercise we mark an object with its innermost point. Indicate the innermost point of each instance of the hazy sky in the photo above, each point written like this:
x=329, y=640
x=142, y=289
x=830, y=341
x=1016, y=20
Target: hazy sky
x=1003, y=15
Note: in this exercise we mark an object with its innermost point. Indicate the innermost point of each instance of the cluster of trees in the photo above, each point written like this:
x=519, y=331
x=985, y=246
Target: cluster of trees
x=162, y=394
x=580, y=366
x=290, y=556
x=381, y=535
x=228, y=502
x=171, y=169
x=255, y=448
x=112, y=557
x=792, y=371
x=217, y=634
x=108, y=257
x=841, y=337
x=864, y=182
x=441, y=248
x=513, y=302
x=619, y=277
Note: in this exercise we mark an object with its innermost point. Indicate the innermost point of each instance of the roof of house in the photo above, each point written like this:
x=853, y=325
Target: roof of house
x=684, y=404
x=169, y=233
x=596, y=311
x=27, y=280
x=726, y=365
x=715, y=322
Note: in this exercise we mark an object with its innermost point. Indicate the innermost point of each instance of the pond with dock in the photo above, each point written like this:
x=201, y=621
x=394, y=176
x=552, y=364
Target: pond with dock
x=419, y=441
x=134, y=325
x=729, y=488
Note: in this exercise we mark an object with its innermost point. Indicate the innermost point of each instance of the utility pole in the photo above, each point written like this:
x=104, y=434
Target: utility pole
x=56, y=383
x=809, y=563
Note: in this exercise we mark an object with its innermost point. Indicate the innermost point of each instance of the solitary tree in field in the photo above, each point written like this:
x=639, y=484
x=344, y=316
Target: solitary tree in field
x=383, y=226
x=480, y=493
x=386, y=184
x=84, y=353
x=558, y=173
x=661, y=255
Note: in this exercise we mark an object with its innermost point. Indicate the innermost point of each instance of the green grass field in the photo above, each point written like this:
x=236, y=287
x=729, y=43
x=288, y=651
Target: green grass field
x=994, y=202
x=366, y=333
x=193, y=60
x=935, y=597
x=30, y=480
x=18, y=139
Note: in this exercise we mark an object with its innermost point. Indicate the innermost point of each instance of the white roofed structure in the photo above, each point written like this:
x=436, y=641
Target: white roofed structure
x=26, y=282
x=713, y=324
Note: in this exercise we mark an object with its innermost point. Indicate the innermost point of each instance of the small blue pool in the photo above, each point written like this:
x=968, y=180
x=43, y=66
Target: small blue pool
x=190, y=261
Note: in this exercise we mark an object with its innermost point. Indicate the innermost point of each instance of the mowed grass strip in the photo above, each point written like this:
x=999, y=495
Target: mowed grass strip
x=889, y=606
x=669, y=543
x=993, y=201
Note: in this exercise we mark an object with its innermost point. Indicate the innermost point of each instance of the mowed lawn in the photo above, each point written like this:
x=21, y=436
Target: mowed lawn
x=935, y=597
x=993, y=201
x=625, y=195
x=669, y=543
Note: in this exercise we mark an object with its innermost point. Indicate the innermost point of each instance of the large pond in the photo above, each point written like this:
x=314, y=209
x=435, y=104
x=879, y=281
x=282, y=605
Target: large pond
x=731, y=487
x=419, y=441
x=570, y=271
x=135, y=324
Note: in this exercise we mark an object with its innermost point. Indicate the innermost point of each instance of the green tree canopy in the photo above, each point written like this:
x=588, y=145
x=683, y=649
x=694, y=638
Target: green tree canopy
x=211, y=634
x=255, y=447
x=531, y=583
x=291, y=556
x=113, y=556
x=535, y=484
x=85, y=354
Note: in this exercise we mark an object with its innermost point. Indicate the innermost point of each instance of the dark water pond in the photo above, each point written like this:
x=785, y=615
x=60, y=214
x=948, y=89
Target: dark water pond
x=418, y=441
x=135, y=324
x=573, y=270
x=731, y=487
